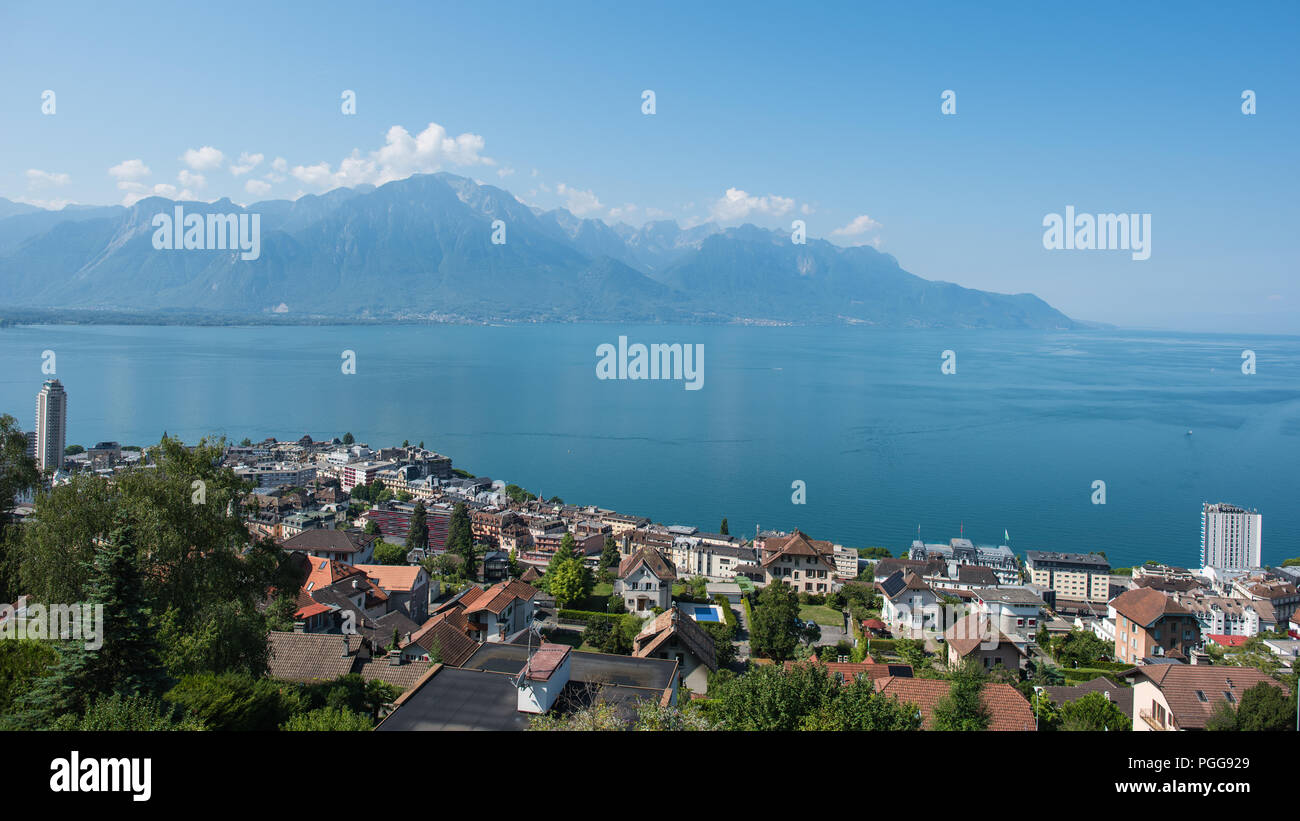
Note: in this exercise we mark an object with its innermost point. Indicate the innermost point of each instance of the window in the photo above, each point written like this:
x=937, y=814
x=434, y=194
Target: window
x=1200, y=694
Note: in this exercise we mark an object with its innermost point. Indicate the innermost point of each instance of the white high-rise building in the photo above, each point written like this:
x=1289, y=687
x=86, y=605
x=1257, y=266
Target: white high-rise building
x=51, y=425
x=1230, y=537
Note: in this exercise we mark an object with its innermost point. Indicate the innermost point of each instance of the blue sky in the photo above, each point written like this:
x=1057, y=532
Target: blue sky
x=829, y=114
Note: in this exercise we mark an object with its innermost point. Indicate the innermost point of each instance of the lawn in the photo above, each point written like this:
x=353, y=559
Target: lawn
x=823, y=615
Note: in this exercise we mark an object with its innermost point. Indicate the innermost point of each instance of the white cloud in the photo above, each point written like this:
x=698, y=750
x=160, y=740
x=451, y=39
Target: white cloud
x=130, y=170
x=191, y=180
x=504, y=172
x=623, y=211
x=164, y=189
x=246, y=162
x=401, y=156
x=257, y=188
x=37, y=177
x=203, y=159
x=854, y=231
x=738, y=205
x=577, y=201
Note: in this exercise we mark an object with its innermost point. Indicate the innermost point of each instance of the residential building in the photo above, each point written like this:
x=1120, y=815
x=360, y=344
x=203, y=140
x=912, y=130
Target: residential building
x=674, y=635
x=1015, y=611
x=1121, y=697
x=805, y=564
x=976, y=637
x=347, y=546
x=408, y=587
x=910, y=605
x=311, y=658
x=1077, y=576
x=496, y=612
x=1009, y=711
x=1150, y=625
x=51, y=425
x=501, y=686
x=1223, y=616
x=1184, y=696
x=1281, y=595
x=645, y=581
x=1230, y=537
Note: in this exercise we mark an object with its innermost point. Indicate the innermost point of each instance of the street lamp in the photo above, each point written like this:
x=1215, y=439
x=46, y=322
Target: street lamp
x=1037, y=690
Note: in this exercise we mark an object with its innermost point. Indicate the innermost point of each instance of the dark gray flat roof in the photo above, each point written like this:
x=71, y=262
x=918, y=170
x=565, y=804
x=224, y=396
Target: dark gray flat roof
x=456, y=699
x=588, y=668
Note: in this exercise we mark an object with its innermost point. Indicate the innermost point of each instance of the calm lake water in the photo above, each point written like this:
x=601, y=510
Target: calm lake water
x=883, y=440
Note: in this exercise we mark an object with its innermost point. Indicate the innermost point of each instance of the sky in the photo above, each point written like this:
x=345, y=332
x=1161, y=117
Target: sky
x=764, y=113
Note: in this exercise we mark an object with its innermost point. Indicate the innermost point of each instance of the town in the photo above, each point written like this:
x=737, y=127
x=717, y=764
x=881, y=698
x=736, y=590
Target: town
x=328, y=584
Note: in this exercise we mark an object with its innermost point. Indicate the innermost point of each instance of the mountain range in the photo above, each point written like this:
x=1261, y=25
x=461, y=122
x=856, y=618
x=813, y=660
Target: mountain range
x=421, y=248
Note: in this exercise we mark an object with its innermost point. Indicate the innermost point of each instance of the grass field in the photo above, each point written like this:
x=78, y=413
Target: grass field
x=823, y=615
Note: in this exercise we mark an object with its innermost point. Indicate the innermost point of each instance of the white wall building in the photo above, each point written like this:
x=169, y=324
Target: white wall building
x=1230, y=537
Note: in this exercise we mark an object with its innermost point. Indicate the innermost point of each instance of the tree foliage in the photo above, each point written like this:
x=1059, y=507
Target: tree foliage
x=774, y=632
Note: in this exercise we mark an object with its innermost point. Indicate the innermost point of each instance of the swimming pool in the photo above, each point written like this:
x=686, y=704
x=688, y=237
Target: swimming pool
x=706, y=612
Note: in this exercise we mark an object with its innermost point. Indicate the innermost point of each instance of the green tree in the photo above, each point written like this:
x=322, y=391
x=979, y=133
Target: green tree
x=127, y=659
x=771, y=698
x=1266, y=708
x=566, y=582
x=372, y=529
x=1093, y=712
x=774, y=633
x=348, y=439
x=18, y=474
x=328, y=719
x=723, y=528
x=609, y=555
x=119, y=713
x=417, y=535
x=460, y=539
x=235, y=701
x=22, y=663
x=963, y=709
x=388, y=553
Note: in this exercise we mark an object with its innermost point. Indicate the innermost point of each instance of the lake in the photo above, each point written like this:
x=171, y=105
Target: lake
x=883, y=440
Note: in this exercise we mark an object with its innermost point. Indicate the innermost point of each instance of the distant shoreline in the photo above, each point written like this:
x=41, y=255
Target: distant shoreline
x=15, y=317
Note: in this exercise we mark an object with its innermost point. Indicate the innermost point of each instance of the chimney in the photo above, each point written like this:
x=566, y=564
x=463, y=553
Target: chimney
x=346, y=651
x=395, y=658
x=543, y=678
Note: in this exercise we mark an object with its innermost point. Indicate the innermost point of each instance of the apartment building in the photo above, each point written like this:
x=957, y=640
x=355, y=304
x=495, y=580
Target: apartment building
x=1074, y=576
x=1149, y=625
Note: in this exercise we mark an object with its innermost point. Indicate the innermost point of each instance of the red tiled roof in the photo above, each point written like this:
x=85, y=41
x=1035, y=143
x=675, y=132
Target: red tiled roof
x=654, y=562
x=1008, y=709
x=1144, y=606
x=499, y=596
x=400, y=577
x=1228, y=641
x=543, y=663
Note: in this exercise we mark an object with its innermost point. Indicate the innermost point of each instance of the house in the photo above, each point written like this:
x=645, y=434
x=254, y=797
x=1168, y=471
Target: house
x=1008, y=710
x=503, y=685
x=1017, y=611
x=407, y=586
x=910, y=605
x=444, y=639
x=495, y=566
x=674, y=635
x=495, y=612
x=319, y=657
x=1222, y=615
x=805, y=564
x=1150, y=624
x=1122, y=697
x=1184, y=696
x=347, y=546
x=977, y=637
x=645, y=581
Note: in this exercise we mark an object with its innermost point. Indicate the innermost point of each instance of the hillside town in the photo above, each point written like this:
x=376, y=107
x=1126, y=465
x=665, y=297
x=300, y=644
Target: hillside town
x=481, y=605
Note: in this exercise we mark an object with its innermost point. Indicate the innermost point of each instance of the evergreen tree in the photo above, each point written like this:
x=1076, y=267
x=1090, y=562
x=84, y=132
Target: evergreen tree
x=609, y=556
x=348, y=439
x=774, y=633
x=127, y=662
x=723, y=528
x=17, y=473
x=460, y=539
x=417, y=536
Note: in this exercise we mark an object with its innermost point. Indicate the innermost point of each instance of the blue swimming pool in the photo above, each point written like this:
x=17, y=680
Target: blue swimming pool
x=706, y=614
